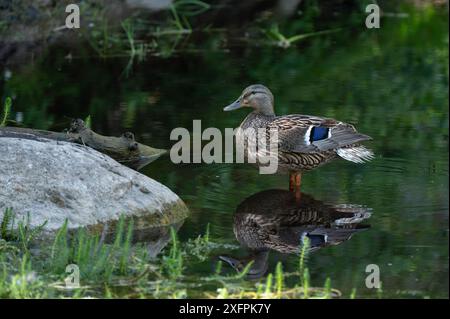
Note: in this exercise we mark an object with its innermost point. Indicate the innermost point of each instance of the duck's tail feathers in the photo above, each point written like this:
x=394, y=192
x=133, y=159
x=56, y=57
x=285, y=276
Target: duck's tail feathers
x=341, y=136
x=356, y=154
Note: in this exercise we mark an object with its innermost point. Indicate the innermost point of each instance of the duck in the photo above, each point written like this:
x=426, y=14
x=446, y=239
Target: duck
x=273, y=220
x=304, y=142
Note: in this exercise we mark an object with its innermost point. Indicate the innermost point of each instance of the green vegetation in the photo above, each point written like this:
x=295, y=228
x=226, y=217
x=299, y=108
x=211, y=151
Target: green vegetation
x=277, y=38
x=88, y=122
x=136, y=37
x=6, y=111
x=107, y=268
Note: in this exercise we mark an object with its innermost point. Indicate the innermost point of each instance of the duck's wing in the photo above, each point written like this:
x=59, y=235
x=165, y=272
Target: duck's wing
x=306, y=134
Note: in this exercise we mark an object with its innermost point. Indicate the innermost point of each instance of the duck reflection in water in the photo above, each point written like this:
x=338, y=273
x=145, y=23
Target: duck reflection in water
x=276, y=220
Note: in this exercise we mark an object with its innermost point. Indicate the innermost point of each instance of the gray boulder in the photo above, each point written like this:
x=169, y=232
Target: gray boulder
x=54, y=181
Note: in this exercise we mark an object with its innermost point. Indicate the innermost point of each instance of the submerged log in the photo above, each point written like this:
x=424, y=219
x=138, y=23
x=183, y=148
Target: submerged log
x=123, y=149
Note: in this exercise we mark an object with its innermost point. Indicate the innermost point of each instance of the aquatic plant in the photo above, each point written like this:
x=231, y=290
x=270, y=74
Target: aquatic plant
x=22, y=232
x=201, y=246
x=273, y=287
x=6, y=224
x=105, y=268
x=6, y=111
x=27, y=234
x=279, y=279
x=88, y=121
x=191, y=7
x=303, y=255
x=277, y=38
x=23, y=283
x=173, y=262
x=353, y=293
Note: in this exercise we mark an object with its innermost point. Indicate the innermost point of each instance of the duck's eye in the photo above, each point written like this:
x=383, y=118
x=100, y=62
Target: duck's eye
x=248, y=94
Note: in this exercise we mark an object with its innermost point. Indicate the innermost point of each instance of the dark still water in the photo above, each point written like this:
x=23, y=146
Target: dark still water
x=391, y=83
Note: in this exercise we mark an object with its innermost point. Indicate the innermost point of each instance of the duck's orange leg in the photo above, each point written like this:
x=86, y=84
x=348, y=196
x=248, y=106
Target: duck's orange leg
x=298, y=183
x=295, y=182
x=292, y=180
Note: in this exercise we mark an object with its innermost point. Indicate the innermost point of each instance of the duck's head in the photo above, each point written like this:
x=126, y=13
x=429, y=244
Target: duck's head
x=256, y=96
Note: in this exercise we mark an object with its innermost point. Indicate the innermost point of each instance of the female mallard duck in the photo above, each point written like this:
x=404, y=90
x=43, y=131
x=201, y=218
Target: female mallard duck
x=304, y=142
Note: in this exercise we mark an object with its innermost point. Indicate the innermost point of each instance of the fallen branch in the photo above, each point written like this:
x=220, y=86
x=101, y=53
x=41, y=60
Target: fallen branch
x=123, y=149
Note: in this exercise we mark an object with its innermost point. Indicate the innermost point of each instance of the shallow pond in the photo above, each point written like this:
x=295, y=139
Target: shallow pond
x=391, y=83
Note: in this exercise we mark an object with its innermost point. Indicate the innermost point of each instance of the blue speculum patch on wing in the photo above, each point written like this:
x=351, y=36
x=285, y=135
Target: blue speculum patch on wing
x=318, y=133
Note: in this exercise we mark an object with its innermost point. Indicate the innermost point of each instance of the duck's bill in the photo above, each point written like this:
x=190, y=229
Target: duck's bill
x=233, y=106
x=233, y=262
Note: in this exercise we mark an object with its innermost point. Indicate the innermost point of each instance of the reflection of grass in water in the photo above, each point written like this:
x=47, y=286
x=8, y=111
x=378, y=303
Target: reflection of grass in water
x=279, y=39
x=177, y=25
x=106, y=269
x=161, y=39
x=138, y=51
x=190, y=7
x=164, y=38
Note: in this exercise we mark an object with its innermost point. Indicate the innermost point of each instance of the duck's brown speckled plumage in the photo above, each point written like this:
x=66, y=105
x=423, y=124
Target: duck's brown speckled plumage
x=296, y=152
